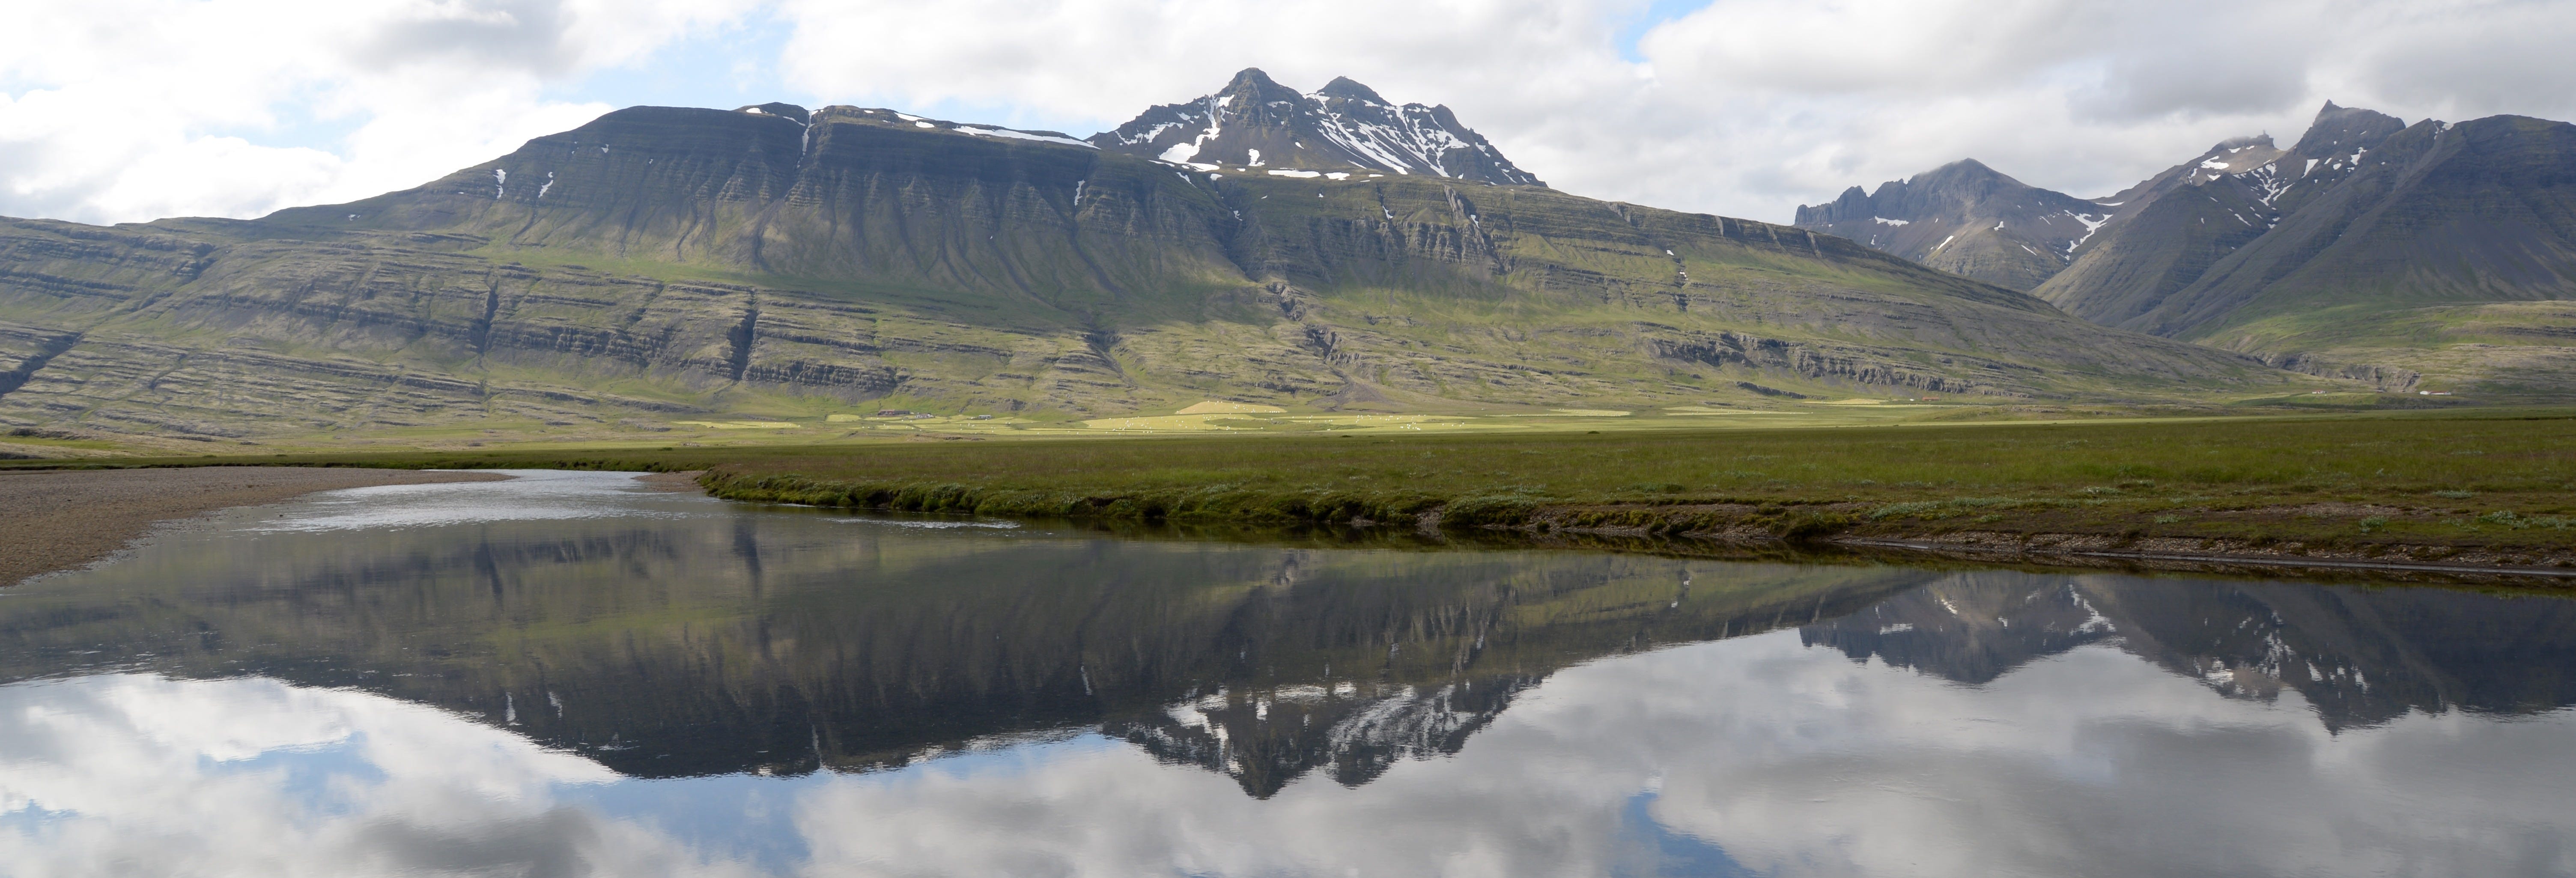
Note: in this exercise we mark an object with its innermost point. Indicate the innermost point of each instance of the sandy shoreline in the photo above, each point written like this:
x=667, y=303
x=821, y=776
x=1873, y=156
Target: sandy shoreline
x=58, y=520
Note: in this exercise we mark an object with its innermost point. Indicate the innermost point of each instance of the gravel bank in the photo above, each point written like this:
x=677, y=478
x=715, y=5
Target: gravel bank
x=53, y=521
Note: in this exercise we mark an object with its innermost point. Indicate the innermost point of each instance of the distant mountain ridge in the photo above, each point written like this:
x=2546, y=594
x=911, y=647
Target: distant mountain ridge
x=1966, y=218
x=1256, y=122
x=2241, y=189
x=2370, y=249
x=1969, y=219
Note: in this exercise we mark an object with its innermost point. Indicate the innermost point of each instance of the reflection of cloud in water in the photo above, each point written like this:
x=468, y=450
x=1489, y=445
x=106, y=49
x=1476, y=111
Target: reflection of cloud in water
x=2091, y=762
x=1758, y=752
x=133, y=774
x=1790, y=761
x=1987, y=723
x=530, y=495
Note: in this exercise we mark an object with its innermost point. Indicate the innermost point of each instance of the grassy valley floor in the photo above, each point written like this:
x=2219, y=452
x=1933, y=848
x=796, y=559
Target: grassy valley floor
x=2488, y=488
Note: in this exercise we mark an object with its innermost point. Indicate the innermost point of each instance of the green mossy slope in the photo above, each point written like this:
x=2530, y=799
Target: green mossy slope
x=663, y=263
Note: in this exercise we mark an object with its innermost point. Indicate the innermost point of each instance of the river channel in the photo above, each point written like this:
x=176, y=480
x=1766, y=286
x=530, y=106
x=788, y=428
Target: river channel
x=576, y=674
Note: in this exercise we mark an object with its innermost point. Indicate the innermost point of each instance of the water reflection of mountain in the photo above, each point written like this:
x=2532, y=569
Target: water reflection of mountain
x=776, y=643
x=2362, y=656
x=786, y=643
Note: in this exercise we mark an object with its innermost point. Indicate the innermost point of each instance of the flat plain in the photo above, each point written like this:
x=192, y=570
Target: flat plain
x=2425, y=484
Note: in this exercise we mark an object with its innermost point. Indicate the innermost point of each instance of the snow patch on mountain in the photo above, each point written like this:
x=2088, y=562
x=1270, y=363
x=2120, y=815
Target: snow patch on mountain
x=1021, y=135
x=1342, y=125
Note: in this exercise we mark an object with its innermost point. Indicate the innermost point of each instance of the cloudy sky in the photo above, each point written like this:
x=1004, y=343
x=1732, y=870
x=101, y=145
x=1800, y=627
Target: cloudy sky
x=125, y=111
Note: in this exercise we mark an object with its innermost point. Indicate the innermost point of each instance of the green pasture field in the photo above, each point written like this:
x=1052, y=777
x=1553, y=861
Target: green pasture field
x=2486, y=477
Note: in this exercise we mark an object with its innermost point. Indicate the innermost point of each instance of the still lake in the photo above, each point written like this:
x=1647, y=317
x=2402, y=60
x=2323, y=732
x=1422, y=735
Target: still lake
x=572, y=674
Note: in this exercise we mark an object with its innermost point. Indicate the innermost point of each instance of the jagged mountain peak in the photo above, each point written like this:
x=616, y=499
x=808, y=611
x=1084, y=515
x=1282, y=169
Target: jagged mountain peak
x=1257, y=122
x=1962, y=168
x=1252, y=83
x=1939, y=216
x=1962, y=181
x=1346, y=87
x=2235, y=155
x=2337, y=128
x=1967, y=218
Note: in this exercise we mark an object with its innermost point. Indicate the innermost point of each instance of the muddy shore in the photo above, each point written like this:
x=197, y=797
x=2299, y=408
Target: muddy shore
x=59, y=520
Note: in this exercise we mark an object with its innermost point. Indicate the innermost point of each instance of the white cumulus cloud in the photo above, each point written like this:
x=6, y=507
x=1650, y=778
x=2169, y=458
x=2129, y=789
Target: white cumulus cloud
x=125, y=111
x=133, y=110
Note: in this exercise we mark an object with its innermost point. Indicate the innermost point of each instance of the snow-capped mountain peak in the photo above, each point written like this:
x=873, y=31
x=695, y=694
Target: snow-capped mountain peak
x=1256, y=121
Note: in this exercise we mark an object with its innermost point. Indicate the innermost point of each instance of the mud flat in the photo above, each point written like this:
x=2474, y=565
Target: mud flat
x=59, y=520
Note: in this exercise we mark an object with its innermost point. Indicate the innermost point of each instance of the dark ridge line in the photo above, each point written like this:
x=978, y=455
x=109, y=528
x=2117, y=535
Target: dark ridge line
x=17, y=378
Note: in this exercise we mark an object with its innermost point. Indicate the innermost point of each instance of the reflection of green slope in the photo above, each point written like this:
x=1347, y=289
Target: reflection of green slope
x=787, y=642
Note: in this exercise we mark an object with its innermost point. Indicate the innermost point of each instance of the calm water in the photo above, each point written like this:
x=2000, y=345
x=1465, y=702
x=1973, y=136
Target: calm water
x=566, y=675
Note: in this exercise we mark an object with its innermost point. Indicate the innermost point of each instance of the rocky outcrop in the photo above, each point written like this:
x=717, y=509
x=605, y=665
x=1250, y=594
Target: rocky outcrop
x=1836, y=365
x=2378, y=377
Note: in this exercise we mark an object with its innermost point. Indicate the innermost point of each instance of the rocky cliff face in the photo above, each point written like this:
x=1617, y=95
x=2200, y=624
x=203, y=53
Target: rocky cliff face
x=1965, y=218
x=665, y=261
x=1255, y=122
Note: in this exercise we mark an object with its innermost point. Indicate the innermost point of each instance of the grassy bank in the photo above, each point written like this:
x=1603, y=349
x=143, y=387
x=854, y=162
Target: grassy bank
x=2494, y=479
x=2451, y=480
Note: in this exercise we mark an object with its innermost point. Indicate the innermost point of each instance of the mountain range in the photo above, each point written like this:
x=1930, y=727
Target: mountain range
x=2434, y=253
x=1324, y=251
